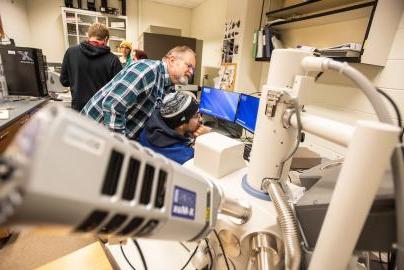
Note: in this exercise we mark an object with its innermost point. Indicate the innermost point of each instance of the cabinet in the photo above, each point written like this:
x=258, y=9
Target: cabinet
x=76, y=23
x=326, y=23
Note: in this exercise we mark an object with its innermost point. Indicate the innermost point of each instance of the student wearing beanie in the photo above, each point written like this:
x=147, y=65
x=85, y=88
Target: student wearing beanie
x=126, y=50
x=171, y=130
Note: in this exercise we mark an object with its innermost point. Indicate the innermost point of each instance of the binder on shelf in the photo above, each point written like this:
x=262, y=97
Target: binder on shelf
x=268, y=41
x=255, y=44
x=260, y=44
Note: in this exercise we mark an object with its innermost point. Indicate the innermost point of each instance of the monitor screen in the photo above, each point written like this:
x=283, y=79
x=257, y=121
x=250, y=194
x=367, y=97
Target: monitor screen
x=247, y=112
x=219, y=103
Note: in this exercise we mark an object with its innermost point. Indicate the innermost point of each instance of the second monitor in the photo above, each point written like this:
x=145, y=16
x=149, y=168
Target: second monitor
x=247, y=112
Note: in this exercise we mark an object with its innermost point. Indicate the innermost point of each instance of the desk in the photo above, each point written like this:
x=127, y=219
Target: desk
x=19, y=114
x=34, y=247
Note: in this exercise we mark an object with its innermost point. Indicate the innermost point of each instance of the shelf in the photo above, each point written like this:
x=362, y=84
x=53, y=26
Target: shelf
x=76, y=23
x=337, y=15
x=263, y=59
x=309, y=7
x=342, y=59
x=117, y=28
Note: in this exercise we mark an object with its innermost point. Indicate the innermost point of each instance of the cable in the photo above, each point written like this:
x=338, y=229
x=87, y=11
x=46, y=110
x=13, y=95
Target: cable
x=126, y=258
x=232, y=264
x=262, y=13
x=396, y=110
x=140, y=253
x=221, y=247
x=258, y=93
x=299, y=130
x=184, y=246
x=210, y=254
x=190, y=258
x=318, y=75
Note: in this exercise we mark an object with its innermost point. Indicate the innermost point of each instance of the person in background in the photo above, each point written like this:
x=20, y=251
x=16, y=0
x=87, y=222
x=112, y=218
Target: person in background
x=127, y=101
x=87, y=67
x=126, y=50
x=139, y=55
x=171, y=131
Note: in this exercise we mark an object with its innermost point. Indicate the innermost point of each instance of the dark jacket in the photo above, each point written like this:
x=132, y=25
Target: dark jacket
x=166, y=141
x=86, y=69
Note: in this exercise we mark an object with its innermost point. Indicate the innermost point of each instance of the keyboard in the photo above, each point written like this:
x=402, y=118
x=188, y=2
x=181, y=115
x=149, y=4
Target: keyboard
x=247, y=151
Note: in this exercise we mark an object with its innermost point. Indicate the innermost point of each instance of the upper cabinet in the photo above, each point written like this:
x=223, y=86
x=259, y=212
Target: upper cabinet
x=327, y=23
x=76, y=23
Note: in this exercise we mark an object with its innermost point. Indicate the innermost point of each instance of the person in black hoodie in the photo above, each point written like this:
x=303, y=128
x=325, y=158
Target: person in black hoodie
x=171, y=130
x=87, y=67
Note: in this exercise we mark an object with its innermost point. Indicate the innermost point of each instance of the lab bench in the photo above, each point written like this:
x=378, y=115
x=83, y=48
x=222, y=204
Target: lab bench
x=20, y=112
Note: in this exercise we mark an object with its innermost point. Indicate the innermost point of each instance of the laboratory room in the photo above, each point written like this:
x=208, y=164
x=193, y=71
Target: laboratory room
x=202, y=134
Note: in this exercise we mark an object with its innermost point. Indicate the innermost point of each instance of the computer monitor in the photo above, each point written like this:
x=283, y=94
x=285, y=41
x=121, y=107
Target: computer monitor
x=219, y=103
x=247, y=112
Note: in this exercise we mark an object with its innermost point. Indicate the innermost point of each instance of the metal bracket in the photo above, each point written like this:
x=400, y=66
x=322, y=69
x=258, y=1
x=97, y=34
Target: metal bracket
x=273, y=98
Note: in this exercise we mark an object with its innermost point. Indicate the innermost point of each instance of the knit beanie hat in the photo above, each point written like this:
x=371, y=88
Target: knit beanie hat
x=178, y=108
x=127, y=44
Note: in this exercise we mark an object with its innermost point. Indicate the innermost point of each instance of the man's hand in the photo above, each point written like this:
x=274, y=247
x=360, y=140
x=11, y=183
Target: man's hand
x=201, y=130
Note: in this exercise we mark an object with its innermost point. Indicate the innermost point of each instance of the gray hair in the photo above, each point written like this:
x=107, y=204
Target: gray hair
x=179, y=50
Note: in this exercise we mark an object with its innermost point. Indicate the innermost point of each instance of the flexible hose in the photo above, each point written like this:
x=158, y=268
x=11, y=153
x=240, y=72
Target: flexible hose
x=287, y=222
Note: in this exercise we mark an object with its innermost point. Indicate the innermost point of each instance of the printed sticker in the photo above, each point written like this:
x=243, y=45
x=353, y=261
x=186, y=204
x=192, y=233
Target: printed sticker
x=184, y=203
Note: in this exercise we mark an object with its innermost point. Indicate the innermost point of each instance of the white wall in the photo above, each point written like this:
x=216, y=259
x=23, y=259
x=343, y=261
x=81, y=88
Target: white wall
x=15, y=21
x=207, y=24
x=208, y=21
x=249, y=70
x=153, y=13
x=45, y=22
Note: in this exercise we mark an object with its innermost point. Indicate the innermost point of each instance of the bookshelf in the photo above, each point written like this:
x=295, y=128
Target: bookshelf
x=326, y=23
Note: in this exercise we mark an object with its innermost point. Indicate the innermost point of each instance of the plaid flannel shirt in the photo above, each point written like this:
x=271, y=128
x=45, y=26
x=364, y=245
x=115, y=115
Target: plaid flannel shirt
x=127, y=101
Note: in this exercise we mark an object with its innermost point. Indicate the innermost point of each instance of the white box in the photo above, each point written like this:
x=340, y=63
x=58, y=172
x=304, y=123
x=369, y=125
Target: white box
x=218, y=155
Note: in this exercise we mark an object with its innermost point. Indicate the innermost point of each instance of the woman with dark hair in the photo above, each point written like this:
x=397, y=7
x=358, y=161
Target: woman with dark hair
x=139, y=54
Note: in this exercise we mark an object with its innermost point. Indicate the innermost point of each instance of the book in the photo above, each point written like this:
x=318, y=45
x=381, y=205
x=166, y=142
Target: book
x=254, y=48
x=260, y=44
x=345, y=46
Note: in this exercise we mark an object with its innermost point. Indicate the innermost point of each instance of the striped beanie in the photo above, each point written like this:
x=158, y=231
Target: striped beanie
x=178, y=108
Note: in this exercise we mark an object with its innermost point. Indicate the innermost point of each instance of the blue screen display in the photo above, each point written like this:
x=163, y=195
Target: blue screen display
x=219, y=103
x=247, y=112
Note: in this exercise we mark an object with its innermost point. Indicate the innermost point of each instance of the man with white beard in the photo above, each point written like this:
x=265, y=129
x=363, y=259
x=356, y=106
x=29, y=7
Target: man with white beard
x=126, y=102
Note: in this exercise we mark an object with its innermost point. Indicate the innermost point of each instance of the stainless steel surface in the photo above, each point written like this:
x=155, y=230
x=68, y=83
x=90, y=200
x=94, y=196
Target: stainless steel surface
x=264, y=249
x=231, y=243
x=241, y=210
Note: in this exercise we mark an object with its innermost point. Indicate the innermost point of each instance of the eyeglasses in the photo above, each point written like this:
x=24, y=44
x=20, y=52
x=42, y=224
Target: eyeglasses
x=189, y=66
